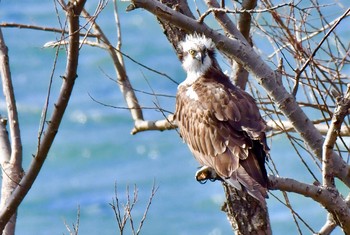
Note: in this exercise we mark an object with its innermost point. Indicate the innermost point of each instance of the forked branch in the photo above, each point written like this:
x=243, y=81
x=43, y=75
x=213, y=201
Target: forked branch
x=73, y=12
x=342, y=109
x=326, y=196
x=11, y=151
x=123, y=211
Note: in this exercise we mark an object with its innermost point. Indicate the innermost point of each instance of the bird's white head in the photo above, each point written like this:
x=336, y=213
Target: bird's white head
x=197, y=54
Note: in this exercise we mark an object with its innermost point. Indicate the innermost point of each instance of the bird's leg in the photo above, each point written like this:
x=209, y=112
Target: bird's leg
x=206, y=173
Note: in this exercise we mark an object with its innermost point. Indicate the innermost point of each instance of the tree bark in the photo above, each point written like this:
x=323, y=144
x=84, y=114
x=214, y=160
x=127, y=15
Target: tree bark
x=245, y=214
x=9, y=177
x=10, y=153
x=328, y=197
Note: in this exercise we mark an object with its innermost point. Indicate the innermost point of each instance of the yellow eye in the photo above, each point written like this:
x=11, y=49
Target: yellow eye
x=192, y=52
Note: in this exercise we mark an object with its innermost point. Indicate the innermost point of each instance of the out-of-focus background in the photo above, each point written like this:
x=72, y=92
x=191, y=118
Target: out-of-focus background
x=94, y=150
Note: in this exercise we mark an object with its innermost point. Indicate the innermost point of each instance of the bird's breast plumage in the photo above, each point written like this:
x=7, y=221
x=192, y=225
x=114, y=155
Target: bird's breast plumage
x=221, y=125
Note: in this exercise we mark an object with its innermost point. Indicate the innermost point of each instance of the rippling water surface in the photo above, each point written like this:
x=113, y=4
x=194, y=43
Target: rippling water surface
x=94, y=149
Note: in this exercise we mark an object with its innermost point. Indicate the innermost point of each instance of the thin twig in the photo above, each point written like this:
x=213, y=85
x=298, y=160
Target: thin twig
x=297, y=77
x=47, y=100
x=42, y=28
x=153, y=193
x=294, y=213
x=240, y=11
x=283, y=125
x=128, y=108
x=130, y=203
x=75, y=226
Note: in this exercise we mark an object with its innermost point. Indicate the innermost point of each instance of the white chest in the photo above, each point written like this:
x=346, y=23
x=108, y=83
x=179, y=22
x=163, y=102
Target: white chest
x=190, y=93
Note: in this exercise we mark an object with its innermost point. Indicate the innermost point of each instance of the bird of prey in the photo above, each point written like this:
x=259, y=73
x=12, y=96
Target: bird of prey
x=220, y=123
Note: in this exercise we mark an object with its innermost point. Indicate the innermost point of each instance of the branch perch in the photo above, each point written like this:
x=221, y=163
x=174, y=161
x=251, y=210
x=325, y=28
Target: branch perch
x=326, y=196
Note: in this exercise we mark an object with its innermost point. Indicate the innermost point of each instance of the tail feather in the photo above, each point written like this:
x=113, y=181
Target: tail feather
x=234, y=182
x=253, y=188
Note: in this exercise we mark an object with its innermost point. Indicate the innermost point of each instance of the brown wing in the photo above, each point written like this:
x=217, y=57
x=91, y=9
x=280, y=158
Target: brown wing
x=224, y=130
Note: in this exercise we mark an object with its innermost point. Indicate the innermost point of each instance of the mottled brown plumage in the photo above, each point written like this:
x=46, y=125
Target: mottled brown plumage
x=220, y=122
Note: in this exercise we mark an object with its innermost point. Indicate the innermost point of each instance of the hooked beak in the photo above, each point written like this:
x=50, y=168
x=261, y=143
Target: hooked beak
x=200, y=57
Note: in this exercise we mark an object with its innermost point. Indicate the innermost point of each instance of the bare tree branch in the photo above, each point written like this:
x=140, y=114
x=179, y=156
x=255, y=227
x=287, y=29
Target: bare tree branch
x=306, y=38
x=244, y=26
x=248, y=10
x=329, y=226
x=16, y=143
x=159, y=125
x=123, y=80
x=9, y=179
x=254, y=220
x=153, y=193
x=312, y=55
x=5, y=146
x=280, y=125
x=73, y=11
x=75, y=227
x=224, y=21
x=125, y=216
x=11, y=162
x=240, y=76
x=42, y=28
x=124, y=83
x=328, y=197
x=343, y=105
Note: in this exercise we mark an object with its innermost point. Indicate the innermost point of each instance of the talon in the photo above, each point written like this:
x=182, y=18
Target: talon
x=201, y=176
x=202, y=181
x=206, y=173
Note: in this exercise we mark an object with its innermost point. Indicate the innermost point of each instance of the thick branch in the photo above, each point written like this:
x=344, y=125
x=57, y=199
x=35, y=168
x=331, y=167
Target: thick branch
x=11, y=159
x=159, y=125
x=224, y=21
x=279, y=125
x=329, y=226
x=41, y=28
x=328, y=197
x=245, y=213
x=244, y=23
x=240, y=76
x=16, y=143
x=342, y=109
x=73, y=12
x=175, y=34
x=5, y=146
x=123, y=80
x=253, y=63
x=9, y=177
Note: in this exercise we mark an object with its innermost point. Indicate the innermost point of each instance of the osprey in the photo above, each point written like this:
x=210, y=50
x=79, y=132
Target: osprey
x=220, y=123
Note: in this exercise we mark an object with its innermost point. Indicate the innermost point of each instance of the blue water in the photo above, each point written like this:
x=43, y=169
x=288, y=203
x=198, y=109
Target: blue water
x=94, y=150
